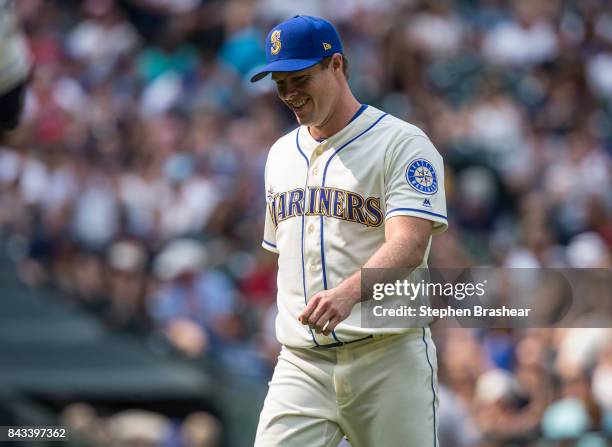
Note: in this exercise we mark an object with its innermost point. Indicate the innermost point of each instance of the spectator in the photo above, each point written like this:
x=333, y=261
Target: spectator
x=193, y=300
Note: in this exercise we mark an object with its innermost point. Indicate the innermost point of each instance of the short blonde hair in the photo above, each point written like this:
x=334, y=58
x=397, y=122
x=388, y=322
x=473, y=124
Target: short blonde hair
x=327, y=60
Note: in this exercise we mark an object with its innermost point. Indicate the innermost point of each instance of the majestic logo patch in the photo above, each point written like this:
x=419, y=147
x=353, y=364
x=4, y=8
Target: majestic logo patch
x=427, y=203
x=275, y=41
x=326, y=46
x=421, y=175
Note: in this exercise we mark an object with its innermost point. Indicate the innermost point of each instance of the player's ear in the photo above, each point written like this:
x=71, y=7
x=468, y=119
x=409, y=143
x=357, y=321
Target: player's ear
x=336, y=63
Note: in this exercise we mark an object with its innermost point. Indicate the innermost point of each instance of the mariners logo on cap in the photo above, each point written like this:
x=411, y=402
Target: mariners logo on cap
x=421, y=175
x=275, y=41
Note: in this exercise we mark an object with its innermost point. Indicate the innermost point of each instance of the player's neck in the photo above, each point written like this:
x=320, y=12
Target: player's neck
x=342, y=114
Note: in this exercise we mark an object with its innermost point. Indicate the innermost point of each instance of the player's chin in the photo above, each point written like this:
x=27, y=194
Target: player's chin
x=305, y=118
x=303, y=115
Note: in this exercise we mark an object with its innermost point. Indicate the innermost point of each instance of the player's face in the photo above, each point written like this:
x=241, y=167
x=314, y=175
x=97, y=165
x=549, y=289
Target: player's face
x=310, y=93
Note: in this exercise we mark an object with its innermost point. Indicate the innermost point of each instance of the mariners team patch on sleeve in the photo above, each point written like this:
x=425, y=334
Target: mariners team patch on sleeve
x=421, y=175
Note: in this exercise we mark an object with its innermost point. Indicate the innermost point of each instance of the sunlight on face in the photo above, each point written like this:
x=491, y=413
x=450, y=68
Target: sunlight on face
x=309, y=93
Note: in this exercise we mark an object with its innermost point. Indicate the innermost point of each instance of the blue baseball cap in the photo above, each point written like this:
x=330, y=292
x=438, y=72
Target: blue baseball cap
x=297, y=44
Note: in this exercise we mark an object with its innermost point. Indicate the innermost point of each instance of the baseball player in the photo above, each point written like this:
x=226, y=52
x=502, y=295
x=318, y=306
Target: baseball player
x=351, y=187
x=14, y=67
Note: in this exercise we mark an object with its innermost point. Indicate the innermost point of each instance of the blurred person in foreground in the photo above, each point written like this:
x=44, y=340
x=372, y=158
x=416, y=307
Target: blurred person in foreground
x=193, y=305
x=14, y=67
x=376, y=206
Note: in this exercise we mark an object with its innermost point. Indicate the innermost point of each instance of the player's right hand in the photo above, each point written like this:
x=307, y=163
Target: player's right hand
x=328, y=308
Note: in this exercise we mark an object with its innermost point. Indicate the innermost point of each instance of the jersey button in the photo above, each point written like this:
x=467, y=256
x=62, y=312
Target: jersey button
x=311, y=228
x=315, y=171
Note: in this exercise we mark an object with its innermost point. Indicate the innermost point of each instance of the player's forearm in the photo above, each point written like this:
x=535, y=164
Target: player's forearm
x=400, y=251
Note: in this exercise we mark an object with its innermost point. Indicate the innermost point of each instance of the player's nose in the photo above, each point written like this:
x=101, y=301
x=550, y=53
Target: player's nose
x=290, y=93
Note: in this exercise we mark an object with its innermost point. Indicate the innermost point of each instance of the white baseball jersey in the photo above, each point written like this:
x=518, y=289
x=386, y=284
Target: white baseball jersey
x=327, y=203
x=14, y=56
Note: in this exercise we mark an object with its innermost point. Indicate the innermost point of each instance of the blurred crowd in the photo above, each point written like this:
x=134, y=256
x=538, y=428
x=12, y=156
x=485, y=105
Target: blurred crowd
x=536, y=387
x=138, y=428
x=135, y=183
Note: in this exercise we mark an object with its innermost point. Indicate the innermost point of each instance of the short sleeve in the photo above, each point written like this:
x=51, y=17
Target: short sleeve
x=269, y=236
x=414, y=182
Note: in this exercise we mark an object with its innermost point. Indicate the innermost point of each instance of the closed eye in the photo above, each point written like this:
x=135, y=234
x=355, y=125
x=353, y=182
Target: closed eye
x=301, y=79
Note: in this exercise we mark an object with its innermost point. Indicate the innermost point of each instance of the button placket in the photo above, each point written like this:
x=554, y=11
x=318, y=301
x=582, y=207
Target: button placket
x=311, y=229
x=315, y=165
x=318, y=151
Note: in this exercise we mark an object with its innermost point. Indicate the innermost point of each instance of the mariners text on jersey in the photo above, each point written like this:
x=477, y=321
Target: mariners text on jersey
x=325, y=201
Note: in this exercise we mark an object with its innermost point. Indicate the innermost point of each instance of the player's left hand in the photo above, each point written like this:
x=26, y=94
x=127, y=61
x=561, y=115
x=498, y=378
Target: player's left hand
x=328, y=308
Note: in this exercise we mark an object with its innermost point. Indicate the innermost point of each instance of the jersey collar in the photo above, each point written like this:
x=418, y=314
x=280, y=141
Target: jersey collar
x=360, y=121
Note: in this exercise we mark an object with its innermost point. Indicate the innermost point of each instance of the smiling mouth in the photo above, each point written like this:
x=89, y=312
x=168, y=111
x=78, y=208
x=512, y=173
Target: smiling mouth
x=298, y=105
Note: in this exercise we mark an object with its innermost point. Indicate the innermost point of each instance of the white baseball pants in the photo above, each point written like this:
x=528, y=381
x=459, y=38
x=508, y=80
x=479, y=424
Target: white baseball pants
x=377, y=392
